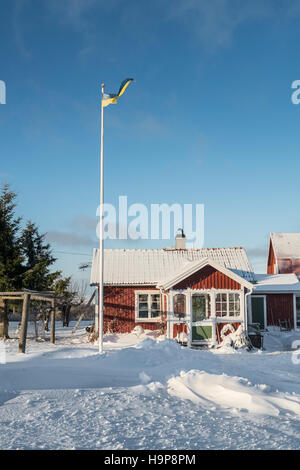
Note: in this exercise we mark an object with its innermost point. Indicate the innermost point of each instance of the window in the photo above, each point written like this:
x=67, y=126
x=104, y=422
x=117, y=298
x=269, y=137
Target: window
x=147, y=306
x=179, y=305
x=200, y=307
x=228, y=305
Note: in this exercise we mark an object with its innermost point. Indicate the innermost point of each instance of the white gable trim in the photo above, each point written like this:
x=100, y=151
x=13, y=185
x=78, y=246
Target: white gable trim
x=192, y=267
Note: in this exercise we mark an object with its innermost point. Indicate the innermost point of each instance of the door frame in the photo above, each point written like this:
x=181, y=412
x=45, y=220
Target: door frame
x=265, y=308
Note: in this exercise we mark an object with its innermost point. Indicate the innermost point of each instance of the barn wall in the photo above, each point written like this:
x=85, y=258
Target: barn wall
x=119, y=312
x=208, y=278
x=271, y=260
x=280, y=307
x=288, y=265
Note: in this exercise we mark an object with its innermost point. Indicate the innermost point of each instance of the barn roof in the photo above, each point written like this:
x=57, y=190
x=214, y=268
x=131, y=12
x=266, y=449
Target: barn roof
x=276, y=283
x=148, y=267
x=286, y=245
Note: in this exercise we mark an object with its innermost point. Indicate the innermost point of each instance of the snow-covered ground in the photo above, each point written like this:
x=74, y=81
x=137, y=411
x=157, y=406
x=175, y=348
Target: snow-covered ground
x=148, y=393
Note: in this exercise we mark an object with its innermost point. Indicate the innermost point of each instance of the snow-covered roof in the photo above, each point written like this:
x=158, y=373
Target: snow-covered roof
x=148, y=267
x=276, y=283
x=286, y=245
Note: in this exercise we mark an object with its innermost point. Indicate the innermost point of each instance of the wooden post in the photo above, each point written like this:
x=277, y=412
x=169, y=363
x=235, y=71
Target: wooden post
x=52, y=334
x=3, y=319
x=24, y=323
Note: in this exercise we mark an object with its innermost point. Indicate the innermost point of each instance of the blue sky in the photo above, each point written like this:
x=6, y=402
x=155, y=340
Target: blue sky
x=209, y=119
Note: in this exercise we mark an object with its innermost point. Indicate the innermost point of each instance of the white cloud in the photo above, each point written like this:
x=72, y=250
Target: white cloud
x=215, y=22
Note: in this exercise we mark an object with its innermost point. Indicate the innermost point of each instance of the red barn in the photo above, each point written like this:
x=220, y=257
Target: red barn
x=284, y=253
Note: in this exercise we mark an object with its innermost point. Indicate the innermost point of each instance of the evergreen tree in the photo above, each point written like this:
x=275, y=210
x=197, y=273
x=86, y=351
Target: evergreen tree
x=10, y=250
x=38, y=259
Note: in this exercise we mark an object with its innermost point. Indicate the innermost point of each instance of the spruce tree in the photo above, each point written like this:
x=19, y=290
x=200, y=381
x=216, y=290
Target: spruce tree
x=38, y=259
x=10, y=251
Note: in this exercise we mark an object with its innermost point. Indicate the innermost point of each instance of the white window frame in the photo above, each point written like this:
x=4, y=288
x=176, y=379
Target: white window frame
x=148, y=293
x=229, y=317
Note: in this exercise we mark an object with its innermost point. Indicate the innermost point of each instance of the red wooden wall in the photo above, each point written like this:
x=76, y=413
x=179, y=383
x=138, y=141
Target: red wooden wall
x=207, y=278
x=280, y=307
x=271, y=260
x=119, y=311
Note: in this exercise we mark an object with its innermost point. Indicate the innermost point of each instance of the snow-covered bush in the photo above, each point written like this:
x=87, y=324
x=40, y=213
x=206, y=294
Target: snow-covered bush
x=138, y=331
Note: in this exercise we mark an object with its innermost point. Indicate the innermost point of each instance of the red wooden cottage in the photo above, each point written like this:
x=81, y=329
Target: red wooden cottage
x=197, y=295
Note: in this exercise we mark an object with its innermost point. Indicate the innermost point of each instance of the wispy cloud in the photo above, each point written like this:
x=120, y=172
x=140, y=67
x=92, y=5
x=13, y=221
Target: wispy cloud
x=215, y=22
x=258, y=252
x=84, y=222
x=73, y=12
x=70, y=239
x=17, y=26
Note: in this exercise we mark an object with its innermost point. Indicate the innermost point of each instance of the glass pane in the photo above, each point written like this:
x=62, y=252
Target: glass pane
x=155, y=313
x=179, y=305
x=143, y=314
x=155, y=297
x=198, y=307
x=155, y=305
x=224, y=297
x=143, y=297
x=143, y=306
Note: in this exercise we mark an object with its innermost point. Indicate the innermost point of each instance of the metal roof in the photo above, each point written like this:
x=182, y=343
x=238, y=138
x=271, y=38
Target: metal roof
x=286, y=245
x=276, y=283
x=148, y=267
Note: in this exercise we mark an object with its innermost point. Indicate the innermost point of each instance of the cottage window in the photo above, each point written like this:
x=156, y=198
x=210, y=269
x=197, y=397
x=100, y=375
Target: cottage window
x=148, y=307
x=200, y=307
x=228, y=305
x=179, y=305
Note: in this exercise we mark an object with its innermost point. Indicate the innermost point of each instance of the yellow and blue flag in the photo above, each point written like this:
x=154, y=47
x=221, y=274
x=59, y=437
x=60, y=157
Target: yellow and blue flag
x=108, y=99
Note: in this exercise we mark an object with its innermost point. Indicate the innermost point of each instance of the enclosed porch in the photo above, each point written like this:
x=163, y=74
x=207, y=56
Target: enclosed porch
x=196, y=317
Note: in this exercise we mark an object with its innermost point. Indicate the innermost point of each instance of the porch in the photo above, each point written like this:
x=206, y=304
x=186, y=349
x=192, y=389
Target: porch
x=204, y=317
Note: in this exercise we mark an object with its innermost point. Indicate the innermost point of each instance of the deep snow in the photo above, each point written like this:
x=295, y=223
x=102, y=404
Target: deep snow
x=148, y=393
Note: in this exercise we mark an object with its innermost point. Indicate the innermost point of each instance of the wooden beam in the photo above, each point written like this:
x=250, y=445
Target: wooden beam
x=53, y=312
x=41, y=298
x=11, y=298
x=24, y=323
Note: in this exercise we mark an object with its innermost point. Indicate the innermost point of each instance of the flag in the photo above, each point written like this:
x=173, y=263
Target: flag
x=108, y=99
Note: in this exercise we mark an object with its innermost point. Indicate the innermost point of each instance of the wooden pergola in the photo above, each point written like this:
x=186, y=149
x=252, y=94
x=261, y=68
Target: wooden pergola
x=26, y=296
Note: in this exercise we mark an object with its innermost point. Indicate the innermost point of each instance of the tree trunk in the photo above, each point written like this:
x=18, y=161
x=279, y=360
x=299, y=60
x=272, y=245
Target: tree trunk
x=66, y=310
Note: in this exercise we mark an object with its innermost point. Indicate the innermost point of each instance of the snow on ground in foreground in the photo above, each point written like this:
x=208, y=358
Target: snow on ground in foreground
x=148, y=393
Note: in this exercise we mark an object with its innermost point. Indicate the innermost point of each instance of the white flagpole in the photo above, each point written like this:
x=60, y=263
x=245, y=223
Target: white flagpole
x=101, y=244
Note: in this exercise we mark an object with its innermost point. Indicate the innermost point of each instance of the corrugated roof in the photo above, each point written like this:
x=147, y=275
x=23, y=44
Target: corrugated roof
x=286, y=245
x=276, y=283
x=147, y=267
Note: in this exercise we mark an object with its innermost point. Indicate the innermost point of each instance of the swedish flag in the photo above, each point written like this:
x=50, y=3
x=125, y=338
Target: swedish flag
x=108, y=99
